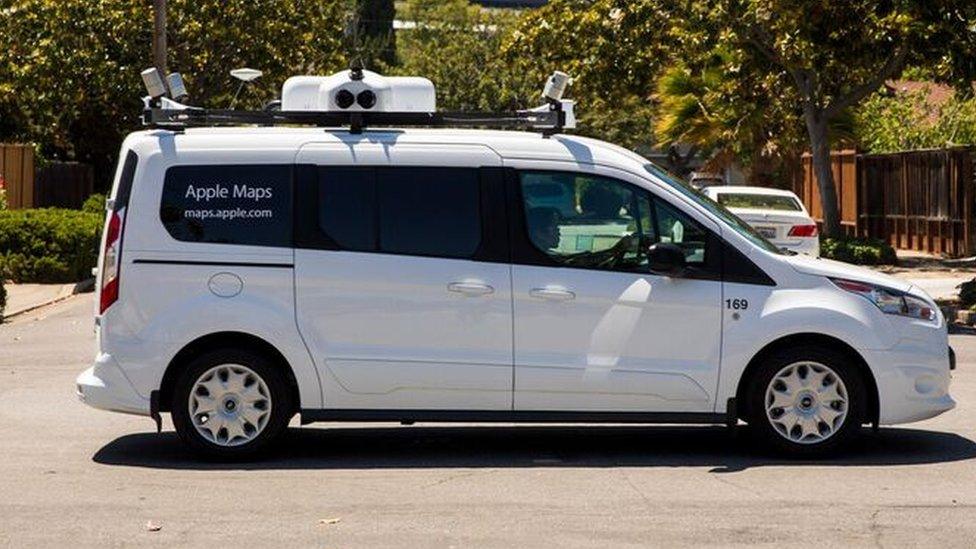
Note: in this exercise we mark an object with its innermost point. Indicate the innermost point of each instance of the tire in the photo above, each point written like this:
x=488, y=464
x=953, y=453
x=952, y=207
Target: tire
x=252, y=408
x=821, y=389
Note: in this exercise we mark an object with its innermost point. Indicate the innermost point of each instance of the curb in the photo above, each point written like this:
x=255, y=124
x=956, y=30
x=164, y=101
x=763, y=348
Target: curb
x=66, y=291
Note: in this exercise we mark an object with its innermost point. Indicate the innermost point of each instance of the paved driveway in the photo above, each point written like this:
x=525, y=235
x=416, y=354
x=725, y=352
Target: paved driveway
x=72, y=476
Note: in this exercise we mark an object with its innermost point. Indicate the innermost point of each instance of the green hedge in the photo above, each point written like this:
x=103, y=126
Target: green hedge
x=860, y=251
x=94, y=204
x=48, y=244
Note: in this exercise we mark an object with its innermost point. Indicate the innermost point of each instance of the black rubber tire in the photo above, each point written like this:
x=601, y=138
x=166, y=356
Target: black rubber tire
x=763, y=430
x=282, y=405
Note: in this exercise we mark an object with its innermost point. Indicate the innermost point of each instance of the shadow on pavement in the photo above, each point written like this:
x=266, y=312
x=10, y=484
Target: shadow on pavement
x=531, y=446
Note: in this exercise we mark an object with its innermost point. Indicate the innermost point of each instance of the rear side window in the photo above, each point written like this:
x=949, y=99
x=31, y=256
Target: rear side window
x=347, y=207
x=240, y=204
x=412, y=211
x=429, y=211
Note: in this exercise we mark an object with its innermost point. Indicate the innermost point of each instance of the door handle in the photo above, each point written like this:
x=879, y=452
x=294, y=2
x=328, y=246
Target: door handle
x=552, y=294
x=470, y=288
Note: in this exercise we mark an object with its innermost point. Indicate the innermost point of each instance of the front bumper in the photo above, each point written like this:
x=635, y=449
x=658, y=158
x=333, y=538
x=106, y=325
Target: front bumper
x=913, y=382
x=105, y=387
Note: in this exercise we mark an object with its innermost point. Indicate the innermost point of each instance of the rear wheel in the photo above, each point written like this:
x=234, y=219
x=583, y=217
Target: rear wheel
x=807, y=401
x=231, y=404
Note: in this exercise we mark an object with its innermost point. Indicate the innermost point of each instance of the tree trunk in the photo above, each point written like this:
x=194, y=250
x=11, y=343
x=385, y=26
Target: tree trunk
x=820, y=153
x=159, y=36
x=376, y=29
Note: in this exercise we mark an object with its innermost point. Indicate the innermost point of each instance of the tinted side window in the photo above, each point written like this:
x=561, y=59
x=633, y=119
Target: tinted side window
x=243, y=204
x=426, y=211
x=582, y=220
x=586, y=221
x=125, y=181
x=429, y=211
x=677, y=228
x=347, y=207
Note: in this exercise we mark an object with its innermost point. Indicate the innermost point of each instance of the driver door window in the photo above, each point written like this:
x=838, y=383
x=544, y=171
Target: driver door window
x=586, y=221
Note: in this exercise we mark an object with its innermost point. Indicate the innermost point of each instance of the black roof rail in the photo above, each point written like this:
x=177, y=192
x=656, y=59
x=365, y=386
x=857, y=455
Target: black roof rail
x=548, y=121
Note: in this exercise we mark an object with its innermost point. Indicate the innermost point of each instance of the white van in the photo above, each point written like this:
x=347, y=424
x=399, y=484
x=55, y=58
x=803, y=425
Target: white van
x=249, y=274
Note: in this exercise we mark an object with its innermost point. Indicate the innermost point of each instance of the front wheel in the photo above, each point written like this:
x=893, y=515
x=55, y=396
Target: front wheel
x=807, y=401
x=231, y=404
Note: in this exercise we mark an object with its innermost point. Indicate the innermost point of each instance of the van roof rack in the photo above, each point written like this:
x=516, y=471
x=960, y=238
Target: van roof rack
x=548, y=119
x=357, y=99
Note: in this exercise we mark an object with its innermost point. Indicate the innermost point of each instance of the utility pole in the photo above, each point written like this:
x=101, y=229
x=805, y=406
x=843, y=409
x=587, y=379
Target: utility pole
x=159, y=36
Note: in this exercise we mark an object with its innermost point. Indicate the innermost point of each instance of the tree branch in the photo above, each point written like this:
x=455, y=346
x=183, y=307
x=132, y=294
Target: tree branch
x=801, y=77
x=892, y=66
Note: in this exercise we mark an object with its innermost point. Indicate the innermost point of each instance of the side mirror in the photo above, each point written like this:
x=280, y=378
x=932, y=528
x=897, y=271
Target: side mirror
x=666, y=259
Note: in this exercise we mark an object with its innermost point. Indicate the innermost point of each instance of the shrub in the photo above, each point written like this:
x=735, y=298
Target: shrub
x=967, y=293
x=94, y=204
x=3, y=298
x=48, y=245
x=860, y=251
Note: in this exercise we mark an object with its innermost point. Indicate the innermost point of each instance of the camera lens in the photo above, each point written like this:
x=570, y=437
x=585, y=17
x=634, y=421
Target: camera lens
x=344, y=99
x=366, y=99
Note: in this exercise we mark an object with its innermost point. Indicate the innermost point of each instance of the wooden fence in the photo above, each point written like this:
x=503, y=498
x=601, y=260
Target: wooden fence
x=916, y=200
x=57, y=184
x=17, y=171
x=63, y=185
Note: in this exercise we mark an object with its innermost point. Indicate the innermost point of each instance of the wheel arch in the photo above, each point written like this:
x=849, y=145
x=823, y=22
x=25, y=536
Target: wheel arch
x=218, y=340
x=813, y=339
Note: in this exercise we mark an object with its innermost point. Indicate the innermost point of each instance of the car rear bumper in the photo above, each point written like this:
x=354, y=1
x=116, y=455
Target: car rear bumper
x=808, y=246
x=105, y=387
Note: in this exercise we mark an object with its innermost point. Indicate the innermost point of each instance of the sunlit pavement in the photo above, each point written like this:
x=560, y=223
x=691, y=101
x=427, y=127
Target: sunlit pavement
x=72, y=476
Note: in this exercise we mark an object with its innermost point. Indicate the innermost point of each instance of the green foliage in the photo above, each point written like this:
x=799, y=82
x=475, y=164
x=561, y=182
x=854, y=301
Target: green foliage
x=48, y=245
x=456, y=45
x=3, y=199
x=94, y=204
x=860, y=251
x=69, y=69
x=613, y=49
x=817, y=58
x=906, y=121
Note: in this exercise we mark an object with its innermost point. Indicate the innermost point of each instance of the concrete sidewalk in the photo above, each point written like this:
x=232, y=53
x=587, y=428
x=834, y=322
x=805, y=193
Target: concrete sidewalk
x=940, y=286
x=23, y=298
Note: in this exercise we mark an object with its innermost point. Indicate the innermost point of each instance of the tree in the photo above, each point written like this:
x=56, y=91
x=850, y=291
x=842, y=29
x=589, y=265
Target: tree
x=825, y=57
x=907, y=120
x=69, y=69
x=374, y=22
x=613, y=49
x=456, y=45
x=703, y=106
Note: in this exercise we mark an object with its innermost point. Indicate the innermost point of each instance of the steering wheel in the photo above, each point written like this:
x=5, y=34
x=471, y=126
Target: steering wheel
x=617, y=252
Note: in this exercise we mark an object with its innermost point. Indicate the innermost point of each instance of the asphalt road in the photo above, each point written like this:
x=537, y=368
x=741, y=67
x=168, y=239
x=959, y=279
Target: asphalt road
x=73, y=476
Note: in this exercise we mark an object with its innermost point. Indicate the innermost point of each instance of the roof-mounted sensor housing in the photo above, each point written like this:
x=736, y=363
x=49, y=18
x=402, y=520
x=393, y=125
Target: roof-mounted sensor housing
x=372, y=92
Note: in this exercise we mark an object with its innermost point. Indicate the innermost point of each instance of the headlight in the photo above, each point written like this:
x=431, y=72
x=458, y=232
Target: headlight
x=889, y=301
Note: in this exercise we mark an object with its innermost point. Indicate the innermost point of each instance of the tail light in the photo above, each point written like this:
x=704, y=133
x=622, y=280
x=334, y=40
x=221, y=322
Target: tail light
x=111, y=257
x=803, y=230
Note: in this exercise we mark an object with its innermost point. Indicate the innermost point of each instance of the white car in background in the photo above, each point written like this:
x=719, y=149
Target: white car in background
x=777, y=215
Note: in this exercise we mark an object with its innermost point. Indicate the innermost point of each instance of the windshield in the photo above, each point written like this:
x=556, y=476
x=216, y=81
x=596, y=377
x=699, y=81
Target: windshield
x=759, y=201
x=717, y=209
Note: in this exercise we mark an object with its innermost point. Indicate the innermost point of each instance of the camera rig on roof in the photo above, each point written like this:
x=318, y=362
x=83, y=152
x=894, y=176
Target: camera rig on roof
x=356, y=99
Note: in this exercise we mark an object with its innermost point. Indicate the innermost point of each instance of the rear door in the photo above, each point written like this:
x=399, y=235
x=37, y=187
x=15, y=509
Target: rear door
x=403, y=284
